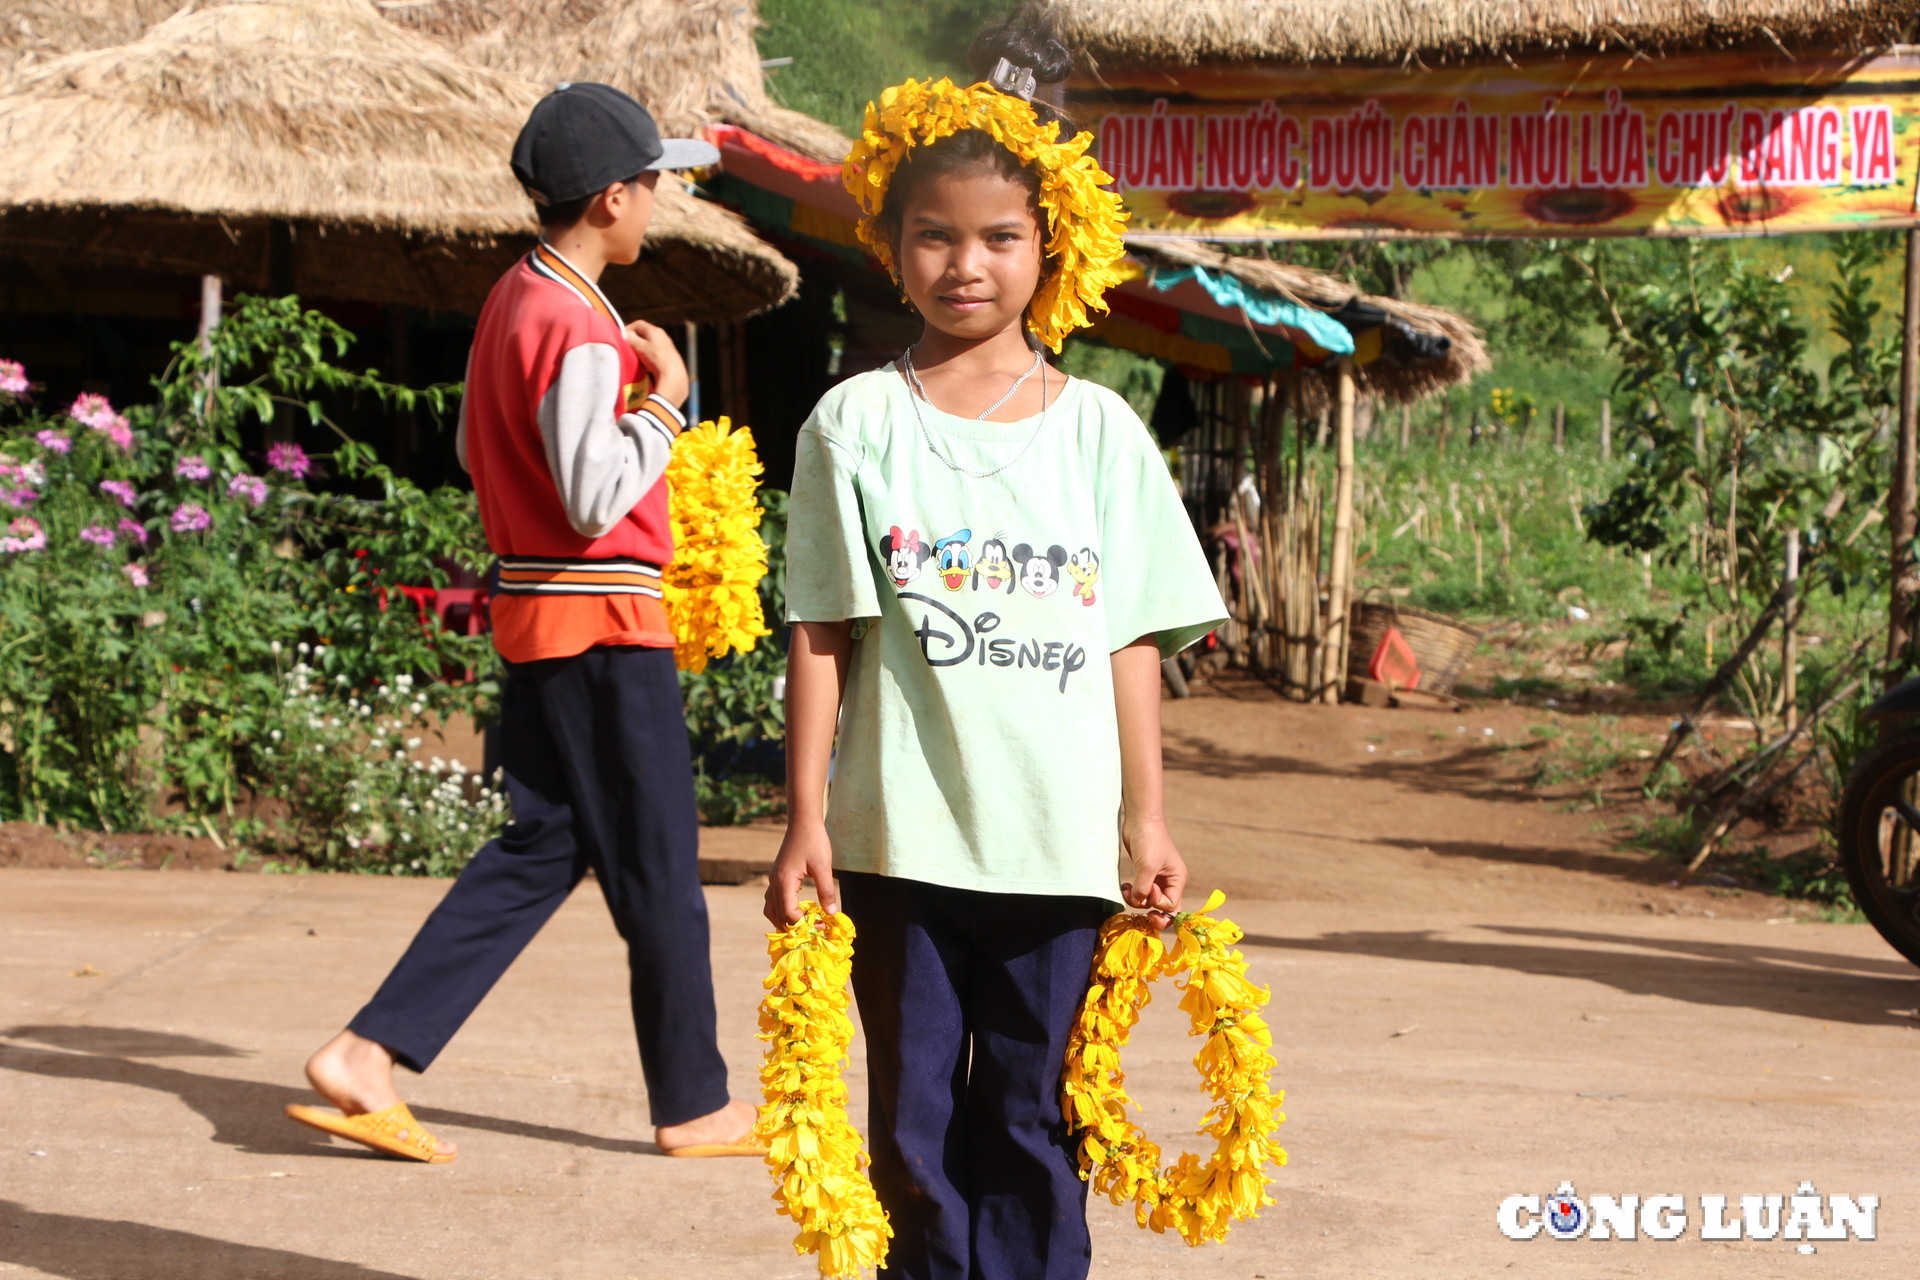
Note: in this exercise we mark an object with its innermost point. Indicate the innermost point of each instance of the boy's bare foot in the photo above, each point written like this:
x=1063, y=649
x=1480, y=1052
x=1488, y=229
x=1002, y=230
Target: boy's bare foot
x=731, y=1125
x=355, y=1074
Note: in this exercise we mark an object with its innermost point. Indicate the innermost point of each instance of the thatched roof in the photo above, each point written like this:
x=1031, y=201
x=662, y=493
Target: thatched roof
x=321, y=114
x=690, y=61
x=32, y=31
x=1187, y=32
x=1390, y=378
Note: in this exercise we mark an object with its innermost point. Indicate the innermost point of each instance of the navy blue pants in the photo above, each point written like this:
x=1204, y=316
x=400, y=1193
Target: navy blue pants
x=966, y=1000
x=593, y=750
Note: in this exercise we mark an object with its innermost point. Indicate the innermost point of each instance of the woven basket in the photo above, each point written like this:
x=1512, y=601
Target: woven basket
x=1440, y=645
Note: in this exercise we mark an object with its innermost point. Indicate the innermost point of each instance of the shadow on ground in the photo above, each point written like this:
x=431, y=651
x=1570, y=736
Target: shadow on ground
x=64, y=1244
x=245, y=1114
x=1804, y=984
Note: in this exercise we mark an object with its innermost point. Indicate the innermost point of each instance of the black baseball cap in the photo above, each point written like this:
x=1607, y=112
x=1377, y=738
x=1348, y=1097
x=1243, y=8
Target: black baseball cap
x=582, y=137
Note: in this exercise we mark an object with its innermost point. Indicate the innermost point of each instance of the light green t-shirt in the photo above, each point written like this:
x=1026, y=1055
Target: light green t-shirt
x=978, y=744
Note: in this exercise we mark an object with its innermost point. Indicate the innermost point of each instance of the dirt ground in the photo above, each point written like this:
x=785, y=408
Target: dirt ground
x=1476, y=995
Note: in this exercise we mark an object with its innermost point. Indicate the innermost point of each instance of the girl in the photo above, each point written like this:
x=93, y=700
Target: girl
x=999, y=739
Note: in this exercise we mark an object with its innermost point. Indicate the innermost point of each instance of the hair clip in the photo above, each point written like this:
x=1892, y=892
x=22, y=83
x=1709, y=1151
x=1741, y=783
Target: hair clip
x=1018, y=81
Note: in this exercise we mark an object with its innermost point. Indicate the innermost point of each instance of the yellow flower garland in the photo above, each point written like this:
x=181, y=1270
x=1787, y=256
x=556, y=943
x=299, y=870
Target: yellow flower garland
x=1084, y=217
x=712, y=588
x=1200, y=1201
x=812, y=1147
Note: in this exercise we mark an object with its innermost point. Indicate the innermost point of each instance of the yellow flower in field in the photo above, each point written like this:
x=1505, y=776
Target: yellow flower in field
x=1197, y=1200
x=712, y=588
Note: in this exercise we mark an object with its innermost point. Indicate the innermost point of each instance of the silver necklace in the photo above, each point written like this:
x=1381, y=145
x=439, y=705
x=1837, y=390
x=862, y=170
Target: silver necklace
x=913, y=380
x=934, y=449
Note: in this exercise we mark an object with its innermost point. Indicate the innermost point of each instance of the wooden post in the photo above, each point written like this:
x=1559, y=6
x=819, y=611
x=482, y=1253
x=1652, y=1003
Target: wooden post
x=1790, y=637
x=1606, y=431
x=210, y=288
x=209, y=309
x=1340, y=568
x=693, y=372
x=1559, y=426
x=1900, y=494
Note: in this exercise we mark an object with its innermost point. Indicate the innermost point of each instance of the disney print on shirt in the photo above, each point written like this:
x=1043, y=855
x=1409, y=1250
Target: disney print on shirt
x=1083, y=566
x=994, y=566
x=947, y=638
x=952, y=561
x=904, y=554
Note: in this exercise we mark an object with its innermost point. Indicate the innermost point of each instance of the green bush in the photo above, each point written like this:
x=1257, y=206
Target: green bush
x=158, y=583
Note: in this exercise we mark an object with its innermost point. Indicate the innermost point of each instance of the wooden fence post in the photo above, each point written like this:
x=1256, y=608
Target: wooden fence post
x=1340, y=570
x=1559, y=426
x=1790, y=637
x=1905, y=592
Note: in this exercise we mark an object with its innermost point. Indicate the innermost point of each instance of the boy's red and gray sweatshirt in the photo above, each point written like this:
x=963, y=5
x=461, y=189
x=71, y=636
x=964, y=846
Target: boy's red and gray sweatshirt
x=567, y=471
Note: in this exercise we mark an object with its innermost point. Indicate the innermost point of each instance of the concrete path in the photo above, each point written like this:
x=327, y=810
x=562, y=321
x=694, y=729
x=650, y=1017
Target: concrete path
x=1437, y=1061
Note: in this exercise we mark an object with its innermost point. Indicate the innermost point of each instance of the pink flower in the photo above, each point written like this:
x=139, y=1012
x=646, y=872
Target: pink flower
x=290, y=458
x=92, y=410
x=19, y=499
x=55, y=440
x=98, y=534
x=192, y=467
x=252, y=488
x=136, y=573
x=190, y=517
x=135, y=530
x=119, y=489
x=25, y=534
x=13, y=377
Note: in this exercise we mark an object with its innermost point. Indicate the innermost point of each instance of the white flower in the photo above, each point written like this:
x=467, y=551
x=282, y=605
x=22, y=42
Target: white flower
x=457, y=767
x=413, y=744
x=275, y=735
x=399, y=755
x=274, y=648
x=319, y=750
x=354, y=807
x=301, y=648
x=340, y=680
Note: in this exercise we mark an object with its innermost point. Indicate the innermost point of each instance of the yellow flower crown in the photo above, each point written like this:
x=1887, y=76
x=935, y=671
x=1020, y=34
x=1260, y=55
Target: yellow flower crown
x=1084, y=217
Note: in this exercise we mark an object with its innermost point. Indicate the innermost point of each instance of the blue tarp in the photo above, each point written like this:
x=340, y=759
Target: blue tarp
x=1263, y=309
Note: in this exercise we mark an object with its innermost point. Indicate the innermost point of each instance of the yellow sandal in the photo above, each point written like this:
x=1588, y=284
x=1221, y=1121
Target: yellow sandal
x=392, y=1132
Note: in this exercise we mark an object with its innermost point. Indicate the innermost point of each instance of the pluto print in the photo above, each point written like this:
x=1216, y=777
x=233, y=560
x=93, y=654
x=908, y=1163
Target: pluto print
x=990, y=569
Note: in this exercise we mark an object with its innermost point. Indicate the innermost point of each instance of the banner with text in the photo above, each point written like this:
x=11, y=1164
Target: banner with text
x=1714, y=145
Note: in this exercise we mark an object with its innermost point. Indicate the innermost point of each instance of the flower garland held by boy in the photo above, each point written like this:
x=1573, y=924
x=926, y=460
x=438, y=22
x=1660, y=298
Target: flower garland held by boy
x=1200, y=1201
x=712, y=587
x=813, y=1148
x=1084, y=217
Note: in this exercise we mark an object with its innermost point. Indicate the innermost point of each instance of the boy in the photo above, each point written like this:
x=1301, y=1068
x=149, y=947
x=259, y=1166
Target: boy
x=566, y=456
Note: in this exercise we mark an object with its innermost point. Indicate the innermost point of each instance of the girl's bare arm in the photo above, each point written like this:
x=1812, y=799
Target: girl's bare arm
x=816, y=679
x=1159, y=873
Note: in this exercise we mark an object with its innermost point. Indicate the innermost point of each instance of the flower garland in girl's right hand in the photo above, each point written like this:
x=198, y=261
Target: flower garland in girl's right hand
x=812, y=1147
x=1200, y=1201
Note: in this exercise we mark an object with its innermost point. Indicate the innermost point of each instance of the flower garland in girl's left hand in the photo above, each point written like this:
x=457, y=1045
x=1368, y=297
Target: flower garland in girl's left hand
x=1199, y=1201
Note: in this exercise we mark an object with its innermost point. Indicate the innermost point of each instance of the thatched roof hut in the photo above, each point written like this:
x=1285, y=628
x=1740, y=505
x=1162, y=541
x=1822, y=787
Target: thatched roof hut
x=1389, y=370
x=380, y=153
x=1175, y=33
x=690, y=61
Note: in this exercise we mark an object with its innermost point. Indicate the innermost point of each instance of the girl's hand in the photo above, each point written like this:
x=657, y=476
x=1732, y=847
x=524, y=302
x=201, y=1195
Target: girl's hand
x=1159, y=872
x=804, y=852
x=661, y=359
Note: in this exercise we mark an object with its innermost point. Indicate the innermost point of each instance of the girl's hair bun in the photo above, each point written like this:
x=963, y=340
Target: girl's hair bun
x=1028, y=37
